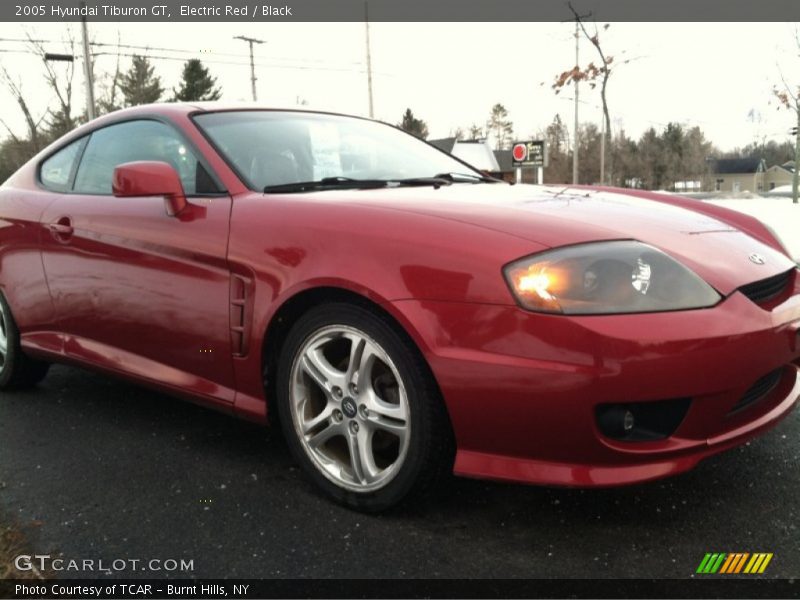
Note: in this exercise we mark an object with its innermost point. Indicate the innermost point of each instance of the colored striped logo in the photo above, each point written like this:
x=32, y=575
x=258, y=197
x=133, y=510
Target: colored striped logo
x=735, y=562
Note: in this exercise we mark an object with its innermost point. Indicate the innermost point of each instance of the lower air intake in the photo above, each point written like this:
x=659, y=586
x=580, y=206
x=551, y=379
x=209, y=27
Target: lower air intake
x=767, y=289
x=760, y=389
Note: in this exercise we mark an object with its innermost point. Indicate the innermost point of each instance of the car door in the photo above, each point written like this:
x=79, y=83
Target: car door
x=21, y=273
x=136, y=290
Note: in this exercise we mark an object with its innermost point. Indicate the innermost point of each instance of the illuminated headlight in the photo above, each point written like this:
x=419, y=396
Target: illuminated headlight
x=606, y=278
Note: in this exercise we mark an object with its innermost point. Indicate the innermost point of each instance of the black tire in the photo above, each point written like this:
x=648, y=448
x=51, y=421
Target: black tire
x=430, y=449
x=17, y=371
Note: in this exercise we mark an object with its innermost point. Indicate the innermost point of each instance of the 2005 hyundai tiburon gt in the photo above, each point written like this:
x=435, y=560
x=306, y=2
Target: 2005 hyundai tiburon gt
x=396, y=311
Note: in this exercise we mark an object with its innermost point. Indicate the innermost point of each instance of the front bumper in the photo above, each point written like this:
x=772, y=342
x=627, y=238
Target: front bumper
x=522, y=388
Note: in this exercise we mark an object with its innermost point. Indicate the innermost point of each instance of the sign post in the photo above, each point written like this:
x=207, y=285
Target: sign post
x=528, y=154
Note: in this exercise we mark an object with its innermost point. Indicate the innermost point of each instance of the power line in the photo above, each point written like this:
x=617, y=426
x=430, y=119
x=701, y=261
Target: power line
x=209, y=61
x=28, y=40
x=179, y=51
x=230, y=62
x=201, y=53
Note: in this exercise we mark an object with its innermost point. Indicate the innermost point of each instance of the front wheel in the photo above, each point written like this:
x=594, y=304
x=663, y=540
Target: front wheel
x=17, y=371
x=359, y=408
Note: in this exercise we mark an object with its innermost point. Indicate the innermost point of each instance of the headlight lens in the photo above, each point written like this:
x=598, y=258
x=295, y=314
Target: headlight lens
x=606, y=278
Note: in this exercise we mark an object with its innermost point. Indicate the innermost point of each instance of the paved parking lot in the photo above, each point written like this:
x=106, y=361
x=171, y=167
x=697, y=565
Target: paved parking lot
x=110, y=470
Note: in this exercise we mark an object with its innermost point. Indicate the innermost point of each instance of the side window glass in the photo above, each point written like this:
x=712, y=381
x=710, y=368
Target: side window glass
x=138, y=140
x=56, y=171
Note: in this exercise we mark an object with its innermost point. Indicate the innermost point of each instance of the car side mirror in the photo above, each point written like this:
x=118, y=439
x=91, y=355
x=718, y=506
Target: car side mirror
x=150, y=178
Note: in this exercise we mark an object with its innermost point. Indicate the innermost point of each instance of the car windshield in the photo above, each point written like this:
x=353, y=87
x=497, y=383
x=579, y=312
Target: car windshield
x=272, y=150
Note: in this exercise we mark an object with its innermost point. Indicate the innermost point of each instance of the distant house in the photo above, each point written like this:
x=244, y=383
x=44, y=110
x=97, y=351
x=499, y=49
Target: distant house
x=444, y=144
x=778, y=175
x=477, y=153
x=737, y=175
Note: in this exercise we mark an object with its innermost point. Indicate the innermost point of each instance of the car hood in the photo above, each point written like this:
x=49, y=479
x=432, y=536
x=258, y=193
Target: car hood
x=553, y=216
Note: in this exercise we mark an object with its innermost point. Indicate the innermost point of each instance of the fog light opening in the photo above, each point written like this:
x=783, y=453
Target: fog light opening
x=641, y=421
x=628, y=421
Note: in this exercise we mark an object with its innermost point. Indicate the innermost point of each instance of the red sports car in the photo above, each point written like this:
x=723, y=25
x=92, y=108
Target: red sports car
x=400, y=314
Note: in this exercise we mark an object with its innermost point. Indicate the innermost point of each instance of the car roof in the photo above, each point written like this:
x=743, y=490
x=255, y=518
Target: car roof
x=174, y=109
x=185, y=108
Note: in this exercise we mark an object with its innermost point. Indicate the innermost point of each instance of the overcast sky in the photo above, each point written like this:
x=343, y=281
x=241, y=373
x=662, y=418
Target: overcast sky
x=718, y=76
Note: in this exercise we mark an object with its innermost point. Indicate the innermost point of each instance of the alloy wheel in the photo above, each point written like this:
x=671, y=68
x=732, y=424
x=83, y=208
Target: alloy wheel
x=349, y=408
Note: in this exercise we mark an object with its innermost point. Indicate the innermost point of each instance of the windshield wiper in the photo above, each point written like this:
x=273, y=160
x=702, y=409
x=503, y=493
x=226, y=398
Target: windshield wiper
x=338, y=183
x=467, y=177
x=326, y=183
x=436, y=181
x=334, y=183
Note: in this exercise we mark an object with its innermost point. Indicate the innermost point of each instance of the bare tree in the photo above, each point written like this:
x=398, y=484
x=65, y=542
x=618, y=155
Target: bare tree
x=500, y=126
x=60, y=81
x=475, y=132
x=33, y=123
x=56, y=119
x=789, y=98
x=592, y=74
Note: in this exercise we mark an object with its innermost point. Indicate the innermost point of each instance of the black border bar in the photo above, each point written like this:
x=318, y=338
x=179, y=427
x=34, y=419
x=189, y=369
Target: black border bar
x=400, y=10
x=699, y=587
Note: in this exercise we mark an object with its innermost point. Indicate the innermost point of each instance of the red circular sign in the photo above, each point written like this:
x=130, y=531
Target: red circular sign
x=520, y=152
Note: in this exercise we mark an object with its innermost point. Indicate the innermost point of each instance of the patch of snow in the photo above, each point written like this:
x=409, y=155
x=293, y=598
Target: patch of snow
x=781, y=190
x=777, y=212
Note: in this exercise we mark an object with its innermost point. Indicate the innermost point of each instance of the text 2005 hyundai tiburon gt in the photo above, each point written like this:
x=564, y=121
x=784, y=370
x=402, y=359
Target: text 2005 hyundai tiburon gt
x=398, y=313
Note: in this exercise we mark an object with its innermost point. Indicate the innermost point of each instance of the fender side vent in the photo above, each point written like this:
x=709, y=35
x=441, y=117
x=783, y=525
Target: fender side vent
x=241, y=314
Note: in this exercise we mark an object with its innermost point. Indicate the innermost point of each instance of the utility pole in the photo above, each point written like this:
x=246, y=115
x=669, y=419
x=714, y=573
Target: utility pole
x=87, y=69
x=251, y=41
x=369, y=62
x=576, y=135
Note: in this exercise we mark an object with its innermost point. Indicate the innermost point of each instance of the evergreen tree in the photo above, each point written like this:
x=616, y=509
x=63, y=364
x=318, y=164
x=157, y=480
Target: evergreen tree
x=412, y=125
x=476, y=132
x=197, y=84
x=60, y=122
x=559, y=168
x=500, y=126
x=140, y=85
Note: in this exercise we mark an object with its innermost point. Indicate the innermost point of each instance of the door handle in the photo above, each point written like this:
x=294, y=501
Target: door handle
x=62, y=229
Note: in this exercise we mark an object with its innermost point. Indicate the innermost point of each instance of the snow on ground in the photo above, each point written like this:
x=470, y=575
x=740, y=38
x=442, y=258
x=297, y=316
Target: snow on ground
x=781, y=190
x=779, y=213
